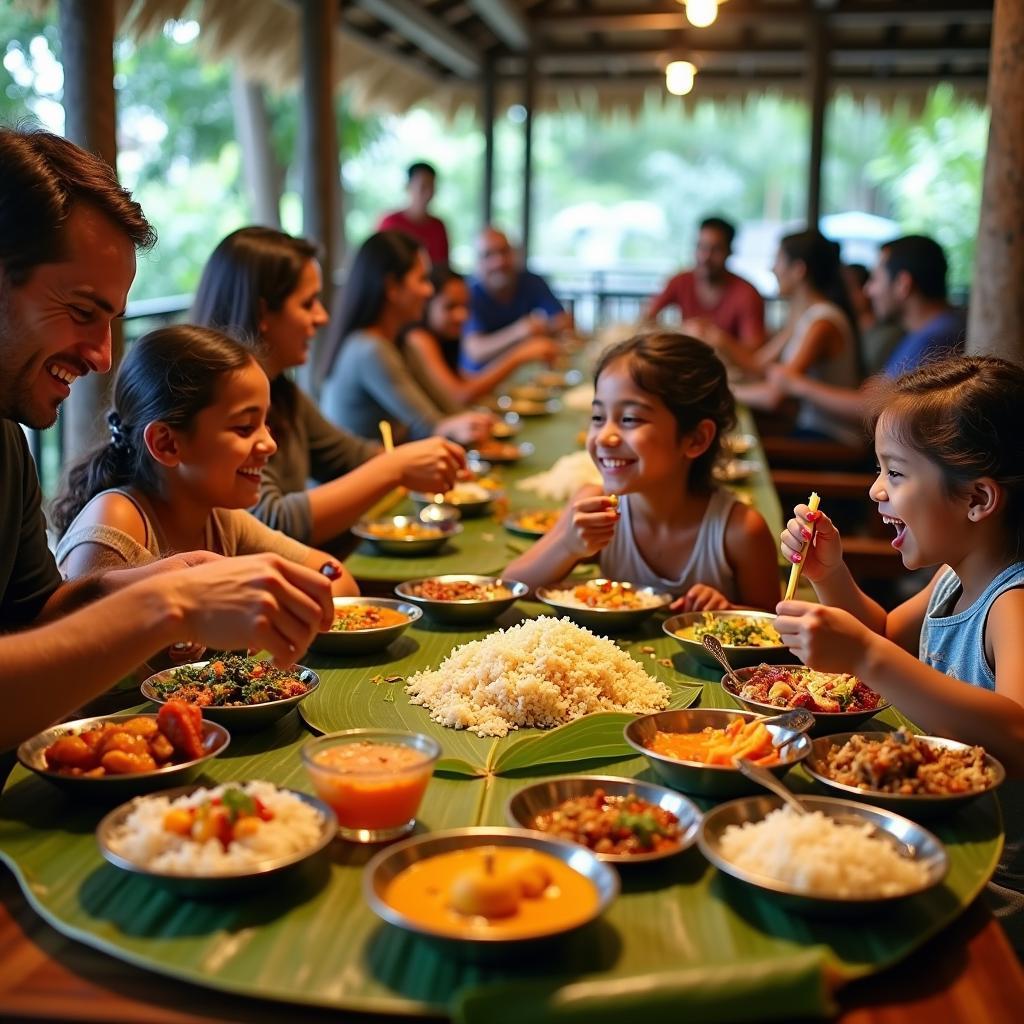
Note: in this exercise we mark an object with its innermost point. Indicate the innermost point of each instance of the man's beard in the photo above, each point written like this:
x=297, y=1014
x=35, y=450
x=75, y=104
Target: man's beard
x=15, y=389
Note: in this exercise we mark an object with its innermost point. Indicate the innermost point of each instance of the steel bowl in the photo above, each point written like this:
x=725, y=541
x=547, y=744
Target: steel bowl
x=909, y=836
x=825, y=722
x=532, y=393
x=408, y=546
x=514, y=523
x=507, y=454
x=463, y=612
x=524, y=806
x=528, y=407
x=366, y=641
x=390, y=862
x=913, y=805
x=216, y=886
x=737, y=655
x=506, y=427
x=469, y=509
x=31, y=754
x=558, y=379
x=711, y=780
x=246, y=717
x=606, y=620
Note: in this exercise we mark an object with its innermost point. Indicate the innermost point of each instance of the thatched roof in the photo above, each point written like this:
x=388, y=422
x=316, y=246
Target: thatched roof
x=606, y=54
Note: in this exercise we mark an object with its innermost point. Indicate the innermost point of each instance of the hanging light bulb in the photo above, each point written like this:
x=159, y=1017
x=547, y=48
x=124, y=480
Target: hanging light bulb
x=701, y=13
x=679, y=75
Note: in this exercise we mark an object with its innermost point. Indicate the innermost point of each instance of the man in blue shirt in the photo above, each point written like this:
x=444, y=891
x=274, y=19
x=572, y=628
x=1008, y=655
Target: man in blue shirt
x=908, y=284
x=507, y=303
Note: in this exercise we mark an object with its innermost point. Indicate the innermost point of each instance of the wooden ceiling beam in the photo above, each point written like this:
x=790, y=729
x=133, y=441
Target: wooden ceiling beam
x=434, y=37
x=505, y=20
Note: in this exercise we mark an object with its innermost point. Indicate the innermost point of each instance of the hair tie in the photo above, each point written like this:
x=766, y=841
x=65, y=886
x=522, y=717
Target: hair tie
x=118, y=433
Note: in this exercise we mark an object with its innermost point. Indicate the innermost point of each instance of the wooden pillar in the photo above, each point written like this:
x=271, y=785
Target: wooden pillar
x=90, y=121
x=995, y=324
x=488, y=105
x=321, y=173
x=817, y=75
x=529, y=90
x=263, y=173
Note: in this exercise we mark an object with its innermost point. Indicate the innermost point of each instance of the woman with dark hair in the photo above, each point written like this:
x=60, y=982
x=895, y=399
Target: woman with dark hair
x=263, y=286
x=431, y=348
x=365, y=378
x=819, y=340
x=187, y=441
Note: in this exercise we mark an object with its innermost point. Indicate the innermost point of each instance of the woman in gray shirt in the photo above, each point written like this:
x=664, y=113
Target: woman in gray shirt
x=365, y=377
x=263, y=286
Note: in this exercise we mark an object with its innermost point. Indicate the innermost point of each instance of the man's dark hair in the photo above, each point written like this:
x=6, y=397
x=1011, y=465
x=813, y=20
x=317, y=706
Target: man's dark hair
x=421, y=167
x=42, y=177
x=719, y=224
x=923, y=259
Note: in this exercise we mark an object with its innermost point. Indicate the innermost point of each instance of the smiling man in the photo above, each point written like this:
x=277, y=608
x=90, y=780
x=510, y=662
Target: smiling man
x=68, y=237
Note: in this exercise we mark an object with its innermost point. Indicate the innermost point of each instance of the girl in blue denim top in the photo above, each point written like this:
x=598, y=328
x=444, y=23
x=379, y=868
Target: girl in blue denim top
x=951, y=484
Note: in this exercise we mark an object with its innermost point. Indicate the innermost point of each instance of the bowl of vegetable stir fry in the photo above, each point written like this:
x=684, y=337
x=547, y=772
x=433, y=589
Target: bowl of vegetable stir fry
x=241, y=692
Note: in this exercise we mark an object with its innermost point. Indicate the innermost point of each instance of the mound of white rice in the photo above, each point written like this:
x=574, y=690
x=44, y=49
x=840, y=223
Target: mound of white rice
x=294, y=828
x=543, y=672
x=564, y=478
x=821, y=856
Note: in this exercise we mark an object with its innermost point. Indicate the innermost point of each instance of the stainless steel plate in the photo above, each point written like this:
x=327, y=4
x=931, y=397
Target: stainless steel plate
x=366, y=641
x=412, y=547
x=457, y=612
x=606, y=620
x=737, y=655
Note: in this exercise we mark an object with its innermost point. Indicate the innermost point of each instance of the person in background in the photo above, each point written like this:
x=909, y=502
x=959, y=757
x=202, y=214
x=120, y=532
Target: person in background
x=878, y=336
x=68, y=237
x=188, y=441
x=907, y=284
x=365, y=377
x=263, y=287
x=508, y=304
x=432, y=348
x=818, y=341
x=711, y=298
x=661, y=405
x=415, y=220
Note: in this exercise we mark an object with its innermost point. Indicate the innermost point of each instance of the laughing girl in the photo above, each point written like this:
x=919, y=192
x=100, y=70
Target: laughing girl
x=661, y=403
x=187, y=443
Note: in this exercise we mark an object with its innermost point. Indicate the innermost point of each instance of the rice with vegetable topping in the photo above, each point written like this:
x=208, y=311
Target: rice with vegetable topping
x=142, y=838
x=543, y=673
x=820, y=856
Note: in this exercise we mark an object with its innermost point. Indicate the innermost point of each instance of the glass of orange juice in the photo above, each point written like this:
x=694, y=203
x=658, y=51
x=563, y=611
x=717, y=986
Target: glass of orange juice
x=373, y=779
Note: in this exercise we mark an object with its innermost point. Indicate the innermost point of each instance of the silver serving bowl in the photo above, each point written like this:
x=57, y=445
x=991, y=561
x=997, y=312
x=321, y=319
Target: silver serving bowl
x=606, y=620
x=246, y=717
x=407, y=546
x=909, y=836
x=463, y=612
x=528, y=407
x=532, y=393
x=825, y=722
x=738, y=444
x=733, y=471
x=389, y=863
x=710, y=779
x=470, y=508
x=31, y=754
x=366, y=641
x=216, y=886
x=737, y=655
x=527, y=803
x=914, y=805
x=504, y=455
x=514, y=525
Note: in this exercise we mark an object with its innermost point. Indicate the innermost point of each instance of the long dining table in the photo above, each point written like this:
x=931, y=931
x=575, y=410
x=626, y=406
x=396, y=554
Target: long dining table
x=51, y=966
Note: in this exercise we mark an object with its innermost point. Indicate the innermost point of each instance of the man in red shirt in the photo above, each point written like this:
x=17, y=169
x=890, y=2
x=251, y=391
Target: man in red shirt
x=712, y=298
x=414, y=219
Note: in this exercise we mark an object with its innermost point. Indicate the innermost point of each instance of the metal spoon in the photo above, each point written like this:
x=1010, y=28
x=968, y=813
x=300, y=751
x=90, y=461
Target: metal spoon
x=714, y=647
x=763, y=777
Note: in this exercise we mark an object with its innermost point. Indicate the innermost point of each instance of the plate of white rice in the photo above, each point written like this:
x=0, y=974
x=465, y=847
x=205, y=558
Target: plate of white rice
x=840, y=858
x=541, y=673
x=134, y=837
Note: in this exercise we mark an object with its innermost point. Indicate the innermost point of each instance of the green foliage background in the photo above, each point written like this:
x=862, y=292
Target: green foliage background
x=922, y=167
